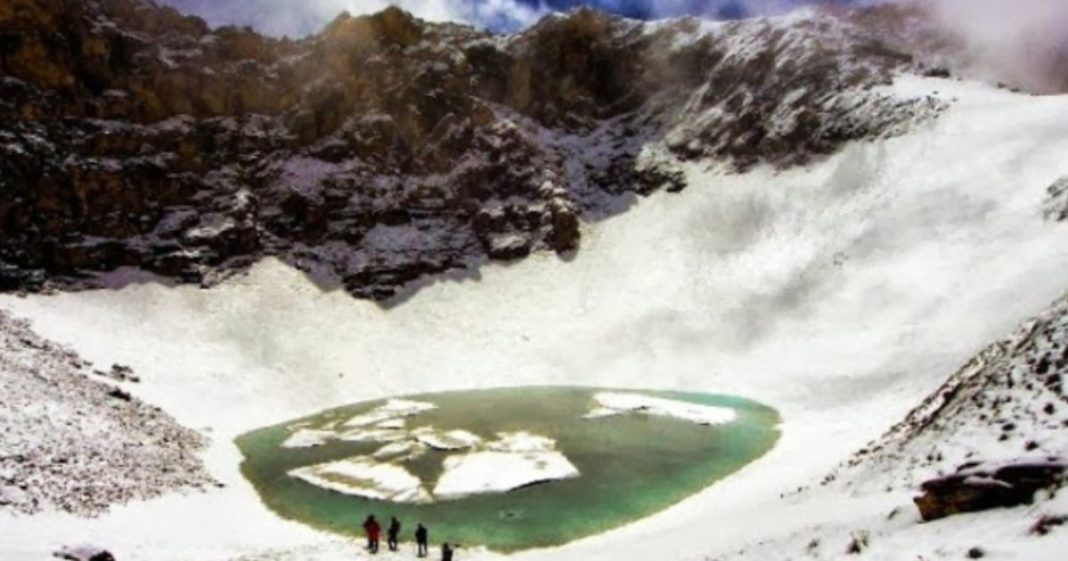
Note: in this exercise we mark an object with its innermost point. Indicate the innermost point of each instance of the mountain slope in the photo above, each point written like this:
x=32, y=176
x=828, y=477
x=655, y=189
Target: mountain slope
x=74, y=444
x=385, y=148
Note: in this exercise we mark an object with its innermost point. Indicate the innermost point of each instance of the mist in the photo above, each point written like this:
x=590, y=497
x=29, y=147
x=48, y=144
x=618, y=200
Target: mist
x=1021, y=43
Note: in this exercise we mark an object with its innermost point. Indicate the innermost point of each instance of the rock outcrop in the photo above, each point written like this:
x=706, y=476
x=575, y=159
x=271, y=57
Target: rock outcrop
x=386, y=148
x=975, y=488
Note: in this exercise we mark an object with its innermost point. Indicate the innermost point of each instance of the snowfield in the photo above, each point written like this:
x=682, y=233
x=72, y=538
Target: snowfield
x=842, y=294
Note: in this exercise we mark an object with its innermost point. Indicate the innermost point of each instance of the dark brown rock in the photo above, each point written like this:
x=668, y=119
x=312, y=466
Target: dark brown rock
x=980, y=488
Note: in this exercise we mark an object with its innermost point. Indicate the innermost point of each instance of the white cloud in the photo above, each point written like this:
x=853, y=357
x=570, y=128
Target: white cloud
x=1024, y=42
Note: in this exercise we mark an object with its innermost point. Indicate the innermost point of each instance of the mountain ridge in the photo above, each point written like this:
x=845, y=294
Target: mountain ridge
x=386, y=149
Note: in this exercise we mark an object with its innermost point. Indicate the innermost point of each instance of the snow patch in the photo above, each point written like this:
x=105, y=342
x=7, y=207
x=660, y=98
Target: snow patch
x=500, y=472
x=364, y=477
x=610, y=404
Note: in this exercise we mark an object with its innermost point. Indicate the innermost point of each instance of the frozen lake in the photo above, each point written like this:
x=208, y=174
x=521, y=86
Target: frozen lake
x=509, y=469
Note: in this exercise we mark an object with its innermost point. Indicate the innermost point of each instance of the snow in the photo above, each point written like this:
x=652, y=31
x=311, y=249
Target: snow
x=393, y=410
x=400, y=451
x=499, y=472
x=308, y=438
x=521, y=442
x=364, y=477
x=614, y=404
x=842, y=294
x=446, y=440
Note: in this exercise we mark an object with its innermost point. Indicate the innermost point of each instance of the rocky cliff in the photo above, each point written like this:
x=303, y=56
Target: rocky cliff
x=385, y=148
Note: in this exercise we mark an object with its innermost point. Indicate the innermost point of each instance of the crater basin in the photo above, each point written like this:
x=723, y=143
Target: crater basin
x=508, y=469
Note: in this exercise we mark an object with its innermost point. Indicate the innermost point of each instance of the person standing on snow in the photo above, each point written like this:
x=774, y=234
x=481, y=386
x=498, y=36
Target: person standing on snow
x=392, y=533
x=422, y=538
x=446, y=552
x=373, y=531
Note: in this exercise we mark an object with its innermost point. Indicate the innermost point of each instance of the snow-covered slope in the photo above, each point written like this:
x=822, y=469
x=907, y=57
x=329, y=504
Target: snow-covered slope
x=76, y=444
x=842, y=293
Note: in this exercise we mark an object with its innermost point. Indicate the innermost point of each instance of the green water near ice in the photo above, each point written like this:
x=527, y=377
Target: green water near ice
x=632, y=466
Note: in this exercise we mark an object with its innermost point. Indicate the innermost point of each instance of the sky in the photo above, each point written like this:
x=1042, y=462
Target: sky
x=297, y=18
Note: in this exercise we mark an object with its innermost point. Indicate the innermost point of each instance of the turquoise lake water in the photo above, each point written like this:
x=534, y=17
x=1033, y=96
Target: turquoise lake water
x=631, y=466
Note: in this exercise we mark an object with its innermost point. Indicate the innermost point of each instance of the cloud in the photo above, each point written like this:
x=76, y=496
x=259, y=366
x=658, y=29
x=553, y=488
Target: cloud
x=1022, y=42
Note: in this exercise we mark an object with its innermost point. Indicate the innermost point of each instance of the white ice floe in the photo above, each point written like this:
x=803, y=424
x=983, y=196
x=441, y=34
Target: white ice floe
x=499, y=472
x=521, y=442
x=392, y=410
x=392, y=424
x=364, y=477
x=308, y=438
x=372, y=435
x=401, y=451
x=610, y=404
x=446, y=440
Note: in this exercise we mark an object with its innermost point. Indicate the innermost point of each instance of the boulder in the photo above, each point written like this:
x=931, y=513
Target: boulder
x=977, y=488
x=84, y=553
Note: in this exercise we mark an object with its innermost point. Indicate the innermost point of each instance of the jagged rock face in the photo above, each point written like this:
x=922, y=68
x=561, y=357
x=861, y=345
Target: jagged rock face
x=385, y=148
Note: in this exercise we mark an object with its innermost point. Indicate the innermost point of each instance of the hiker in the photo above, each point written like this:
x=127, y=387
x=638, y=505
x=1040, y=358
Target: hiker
x=392, y=533
x=373, y=530
x=446, y=552
x=422, y=538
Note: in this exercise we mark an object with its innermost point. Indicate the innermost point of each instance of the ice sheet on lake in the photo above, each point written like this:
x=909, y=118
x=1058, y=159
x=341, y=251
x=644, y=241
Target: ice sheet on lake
x=500, y=472
x=392, y=424
x=446, y=440
x=392, y=410
x=521, y=442
x=610, y=404
x=401, y=451
x=372, y=435
x=364, y=477
x=308, y=438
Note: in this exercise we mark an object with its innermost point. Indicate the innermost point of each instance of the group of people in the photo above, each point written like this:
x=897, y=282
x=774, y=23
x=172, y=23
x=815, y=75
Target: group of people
x=373, y=529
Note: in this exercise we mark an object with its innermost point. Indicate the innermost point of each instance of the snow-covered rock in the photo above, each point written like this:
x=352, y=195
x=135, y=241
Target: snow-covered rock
x=84, y=553
x=610, y=404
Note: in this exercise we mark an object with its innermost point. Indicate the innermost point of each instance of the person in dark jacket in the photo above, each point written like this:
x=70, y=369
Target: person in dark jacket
x=446, y=552
x=373, y=531
x=422, y=538
x=392, y=533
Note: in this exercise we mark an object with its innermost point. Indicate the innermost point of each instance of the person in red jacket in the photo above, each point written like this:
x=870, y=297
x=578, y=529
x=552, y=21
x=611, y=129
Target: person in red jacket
x=373, y=531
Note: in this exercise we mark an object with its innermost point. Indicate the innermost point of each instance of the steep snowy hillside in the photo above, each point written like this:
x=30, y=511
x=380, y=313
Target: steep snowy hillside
x=385, y=148
x=1007, y=405
x=77, y=444
x=991, y=440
